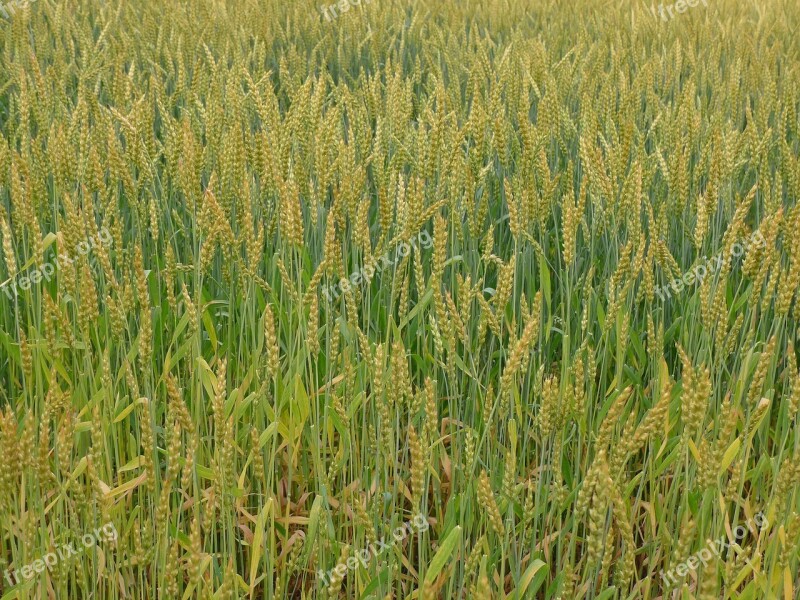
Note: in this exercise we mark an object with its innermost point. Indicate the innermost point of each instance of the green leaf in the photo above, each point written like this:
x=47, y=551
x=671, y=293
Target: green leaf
x=608, y=593
x=313, y=526
x=730, y=454
x=526, y=579
x=301, y=400
x=125, y=412
x=258, y=541
x=374, y=584
x=443, y=554
x=423, y=302
x=267, y=433
x=133, y=464
x=544, y=274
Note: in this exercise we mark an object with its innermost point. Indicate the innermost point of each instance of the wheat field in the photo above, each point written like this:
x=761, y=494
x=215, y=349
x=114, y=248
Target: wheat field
x=395, y=299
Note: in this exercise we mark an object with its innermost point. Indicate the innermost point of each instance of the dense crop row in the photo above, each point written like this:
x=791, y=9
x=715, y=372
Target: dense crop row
x=277, y=287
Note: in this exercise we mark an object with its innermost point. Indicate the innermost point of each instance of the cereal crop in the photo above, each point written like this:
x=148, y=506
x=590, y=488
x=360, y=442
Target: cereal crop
x=393, y=299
